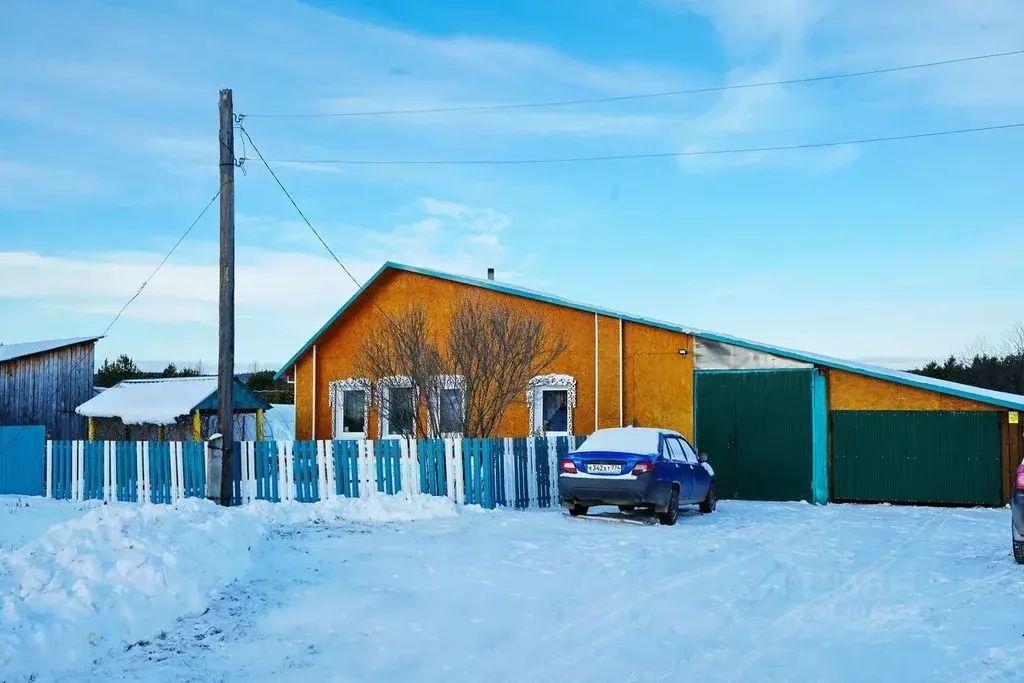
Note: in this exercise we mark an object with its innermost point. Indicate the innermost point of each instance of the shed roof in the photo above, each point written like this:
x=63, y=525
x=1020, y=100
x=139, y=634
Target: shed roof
x=163, y=400
x=998, y=398
x=13, y=351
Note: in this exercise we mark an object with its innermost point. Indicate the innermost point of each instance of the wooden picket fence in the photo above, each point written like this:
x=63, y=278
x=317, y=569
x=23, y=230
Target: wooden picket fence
x=518, y=473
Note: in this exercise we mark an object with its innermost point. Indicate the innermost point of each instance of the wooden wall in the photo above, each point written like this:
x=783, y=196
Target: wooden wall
x=45, y=388
x=657, y=380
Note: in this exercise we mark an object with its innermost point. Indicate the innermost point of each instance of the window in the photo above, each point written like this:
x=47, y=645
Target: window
x=350, y=400
x=555, y=407
x=353, y=419
x=449, y=419
x=690, y=456
x=400, y=412
x=551, y=399
x=673, y=450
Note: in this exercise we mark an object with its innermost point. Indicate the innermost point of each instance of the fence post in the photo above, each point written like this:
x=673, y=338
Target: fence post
x=323, y=471
x=458, y=479
x=286, y=483
x=49, y=469
x=486, y=466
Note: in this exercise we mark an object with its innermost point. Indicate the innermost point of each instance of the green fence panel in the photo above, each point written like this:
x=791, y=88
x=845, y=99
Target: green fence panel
x=914, y=456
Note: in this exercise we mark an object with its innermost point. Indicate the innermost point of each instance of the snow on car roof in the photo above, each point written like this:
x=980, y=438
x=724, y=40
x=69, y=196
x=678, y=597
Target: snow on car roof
x=641, y=440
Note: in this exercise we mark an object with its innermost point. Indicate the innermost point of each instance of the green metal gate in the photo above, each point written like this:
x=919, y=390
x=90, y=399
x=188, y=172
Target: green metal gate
x=764, y=432
x=910, y=456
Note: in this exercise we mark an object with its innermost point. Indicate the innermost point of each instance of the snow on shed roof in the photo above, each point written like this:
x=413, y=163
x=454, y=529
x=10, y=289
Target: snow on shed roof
x=150, y=401
x=998, y=398
x=12, y=351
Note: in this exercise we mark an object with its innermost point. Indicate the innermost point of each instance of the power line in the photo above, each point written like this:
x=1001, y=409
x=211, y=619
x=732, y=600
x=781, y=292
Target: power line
x=640, y=96
x=134, y=296
x=330, y=251
x=287, y=194
x=162, y=262
x=649, y=155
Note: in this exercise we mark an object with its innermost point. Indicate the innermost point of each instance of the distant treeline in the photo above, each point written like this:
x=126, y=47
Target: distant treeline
x=124, y=368
x=260, y=381
x=999, y=369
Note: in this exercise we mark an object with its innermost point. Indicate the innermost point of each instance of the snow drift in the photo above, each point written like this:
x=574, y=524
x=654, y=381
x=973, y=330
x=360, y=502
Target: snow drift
x=123, y=573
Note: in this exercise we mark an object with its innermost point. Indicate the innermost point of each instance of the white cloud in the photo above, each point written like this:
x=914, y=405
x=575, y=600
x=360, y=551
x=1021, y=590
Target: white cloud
x=786, y=39
x=283, y=284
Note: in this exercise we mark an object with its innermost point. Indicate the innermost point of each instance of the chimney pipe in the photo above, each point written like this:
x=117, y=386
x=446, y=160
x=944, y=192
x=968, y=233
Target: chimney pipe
x=490, y=273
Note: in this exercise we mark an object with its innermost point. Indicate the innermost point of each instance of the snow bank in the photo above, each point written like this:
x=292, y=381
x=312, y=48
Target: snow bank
x=119, y=574
x=24, y=518
x=113, y=576
x=402, y=507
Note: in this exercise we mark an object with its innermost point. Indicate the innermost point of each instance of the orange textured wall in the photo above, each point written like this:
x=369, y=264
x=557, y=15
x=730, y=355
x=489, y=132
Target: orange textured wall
x=608, y=371
x=658, y=379
x=394, y=291
x=848, y=391
x=657, y=382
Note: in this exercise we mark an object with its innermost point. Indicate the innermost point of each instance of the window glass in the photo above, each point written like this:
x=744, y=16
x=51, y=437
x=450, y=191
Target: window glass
x=400, y=410
x=450, y=418
x=673, y=451
x=354, y=416
x=688, y=453
x=555, y=408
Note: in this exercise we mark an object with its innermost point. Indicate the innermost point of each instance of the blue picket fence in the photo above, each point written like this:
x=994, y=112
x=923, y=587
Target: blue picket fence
x=502, y=472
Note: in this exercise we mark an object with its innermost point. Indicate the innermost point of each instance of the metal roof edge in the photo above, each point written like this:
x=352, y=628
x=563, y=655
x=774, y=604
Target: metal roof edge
x=949, y=388
x=71, y=341
x=323, y=328
x=483, y=284
x=544, y=298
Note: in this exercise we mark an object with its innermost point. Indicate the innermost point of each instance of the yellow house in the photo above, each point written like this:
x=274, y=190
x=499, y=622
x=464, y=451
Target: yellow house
x=776, y=423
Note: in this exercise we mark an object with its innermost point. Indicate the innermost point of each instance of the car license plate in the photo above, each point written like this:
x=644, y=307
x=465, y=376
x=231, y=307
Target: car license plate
x=603, y=468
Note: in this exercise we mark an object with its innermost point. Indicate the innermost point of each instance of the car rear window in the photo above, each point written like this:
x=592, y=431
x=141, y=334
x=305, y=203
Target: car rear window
x=622, y=440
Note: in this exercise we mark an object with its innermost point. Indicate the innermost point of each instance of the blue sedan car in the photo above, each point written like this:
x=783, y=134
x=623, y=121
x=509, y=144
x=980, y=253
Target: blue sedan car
x=635, y=467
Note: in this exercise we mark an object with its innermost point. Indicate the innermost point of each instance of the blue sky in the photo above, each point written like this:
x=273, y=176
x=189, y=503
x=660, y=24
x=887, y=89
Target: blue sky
x=909, y=250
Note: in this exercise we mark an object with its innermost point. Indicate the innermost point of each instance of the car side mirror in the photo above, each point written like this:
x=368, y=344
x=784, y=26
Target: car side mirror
x=703, y=457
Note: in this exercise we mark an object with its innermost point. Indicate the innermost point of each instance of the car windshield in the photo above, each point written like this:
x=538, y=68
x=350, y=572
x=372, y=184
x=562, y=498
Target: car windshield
x=623, y=440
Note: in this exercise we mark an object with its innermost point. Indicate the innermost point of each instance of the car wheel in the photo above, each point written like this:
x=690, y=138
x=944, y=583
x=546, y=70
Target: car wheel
x=578, y=510
x=710, y=502
x=669, y=517
x=1018, y=551
x=627, y=508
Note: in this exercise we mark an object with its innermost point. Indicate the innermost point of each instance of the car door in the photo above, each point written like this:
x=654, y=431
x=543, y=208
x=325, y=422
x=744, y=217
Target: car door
x=699, y=475
x=665, y=466
x=681, y=470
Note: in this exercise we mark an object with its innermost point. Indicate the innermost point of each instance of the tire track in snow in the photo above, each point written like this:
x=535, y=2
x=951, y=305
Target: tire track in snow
x=792, y=622
x=624, y=600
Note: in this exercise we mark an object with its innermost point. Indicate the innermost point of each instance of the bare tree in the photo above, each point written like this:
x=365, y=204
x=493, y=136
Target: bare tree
x=494, y=351
x=1013, y=341
x=401, y=360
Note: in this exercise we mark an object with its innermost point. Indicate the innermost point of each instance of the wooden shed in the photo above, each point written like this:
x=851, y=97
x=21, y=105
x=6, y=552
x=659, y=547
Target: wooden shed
x=42, y=382
x=171, y=408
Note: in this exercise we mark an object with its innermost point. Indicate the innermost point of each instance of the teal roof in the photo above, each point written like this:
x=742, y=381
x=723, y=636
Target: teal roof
x=999, y=398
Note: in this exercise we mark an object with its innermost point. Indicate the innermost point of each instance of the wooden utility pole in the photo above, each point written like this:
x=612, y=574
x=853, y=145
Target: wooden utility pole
x=219, y=476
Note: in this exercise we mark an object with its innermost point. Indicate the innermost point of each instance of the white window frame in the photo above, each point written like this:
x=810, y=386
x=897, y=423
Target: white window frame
x=535, y=389
x=440, y=383
x=336, y=396
x=384, y=420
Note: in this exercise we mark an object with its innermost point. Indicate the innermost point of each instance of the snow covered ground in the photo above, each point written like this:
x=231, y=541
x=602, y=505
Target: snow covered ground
x=755, y=592
x=23, y=518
